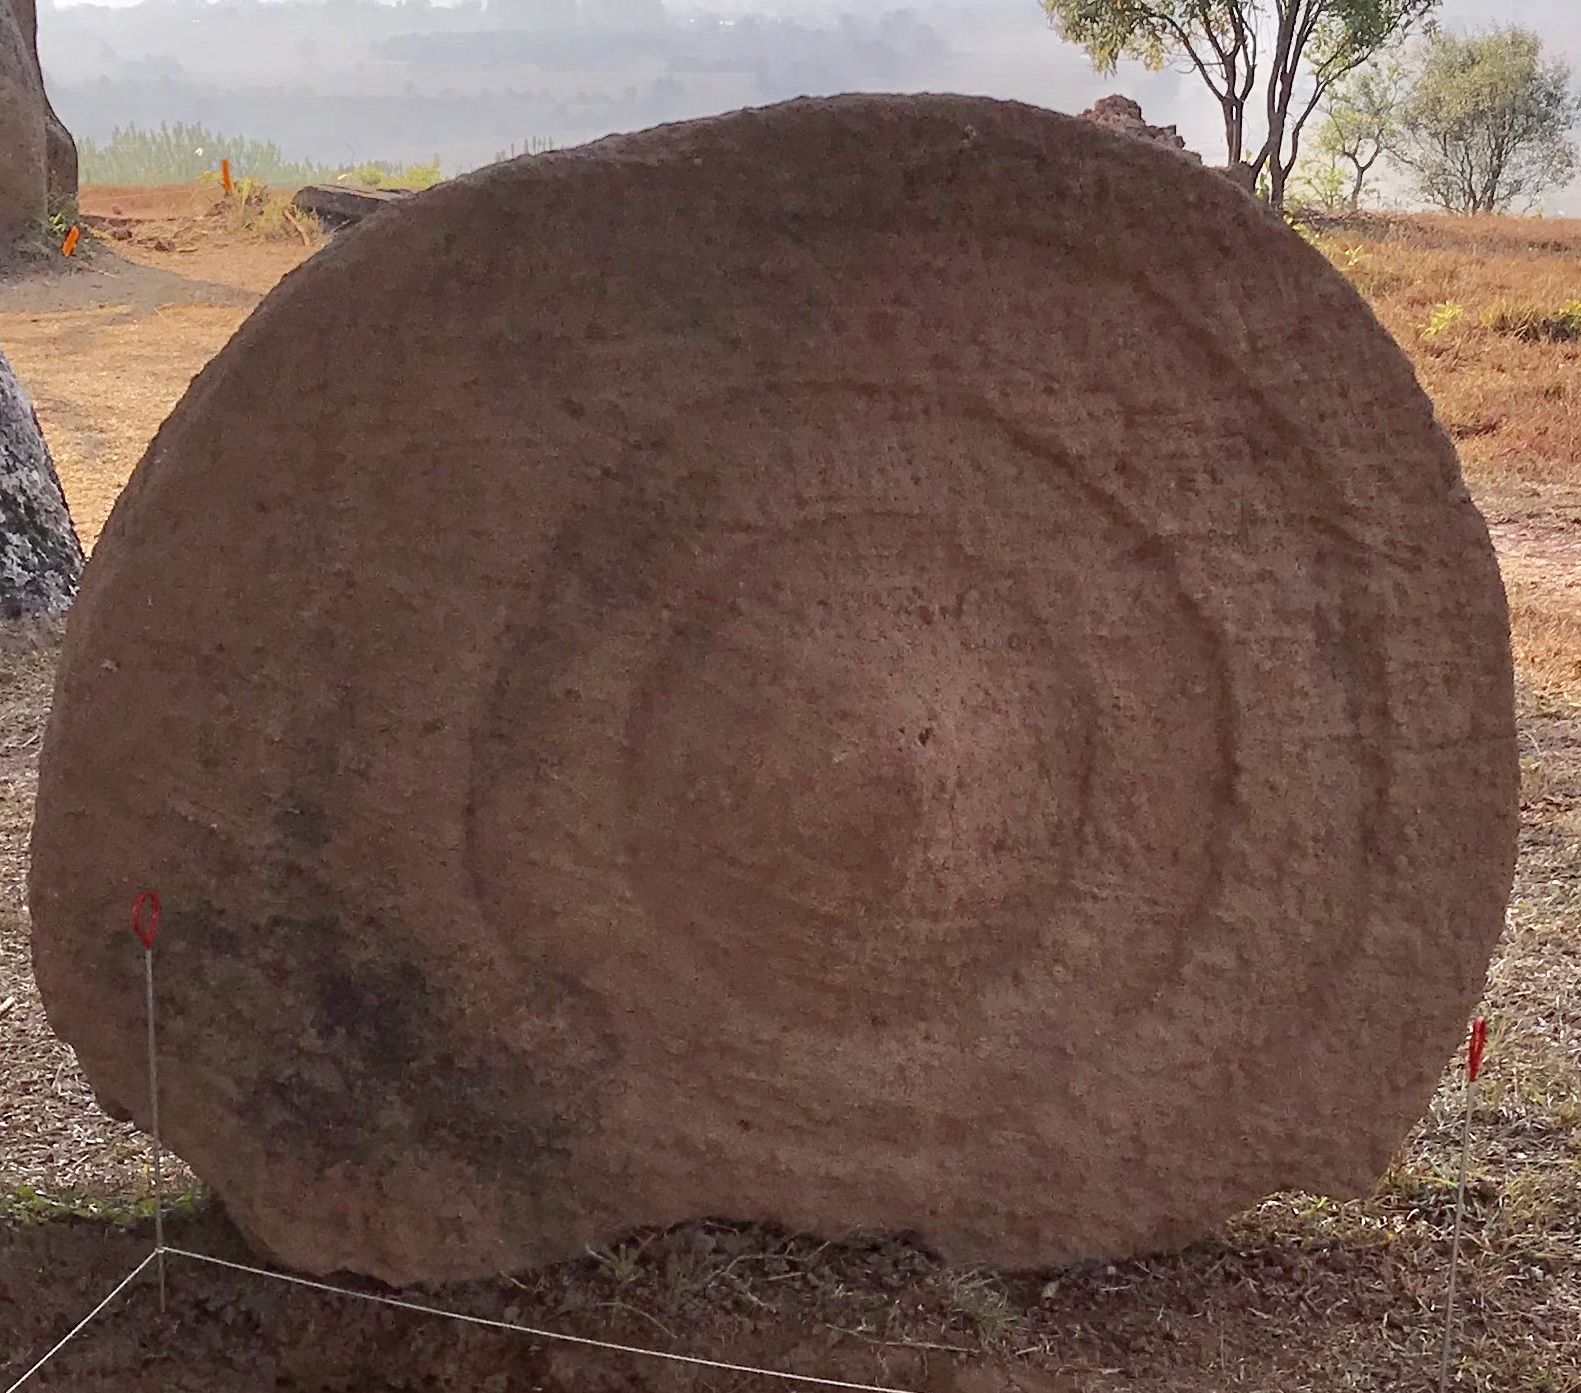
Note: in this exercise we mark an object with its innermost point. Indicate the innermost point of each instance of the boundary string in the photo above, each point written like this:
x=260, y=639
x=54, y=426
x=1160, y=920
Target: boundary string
x=86, y=1321
x=536, y=1333
x=161, y=1248
x=145, y=931
x=419, y=1308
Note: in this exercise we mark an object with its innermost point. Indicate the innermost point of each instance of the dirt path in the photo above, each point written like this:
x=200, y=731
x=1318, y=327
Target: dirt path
x=1546, y=550
x=107, y=349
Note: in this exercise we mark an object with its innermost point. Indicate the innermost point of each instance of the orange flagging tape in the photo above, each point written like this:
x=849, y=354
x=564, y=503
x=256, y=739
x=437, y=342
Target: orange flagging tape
x=70, y=244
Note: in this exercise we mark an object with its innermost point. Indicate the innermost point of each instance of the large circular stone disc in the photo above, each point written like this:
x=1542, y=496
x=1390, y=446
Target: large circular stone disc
x=895, y=663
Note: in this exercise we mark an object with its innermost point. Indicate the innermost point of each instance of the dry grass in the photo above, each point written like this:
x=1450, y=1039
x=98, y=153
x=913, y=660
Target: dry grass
x=69, y=1156
x=254, y=209
x=102, y=380
x=1509, y=396
x=107, y=349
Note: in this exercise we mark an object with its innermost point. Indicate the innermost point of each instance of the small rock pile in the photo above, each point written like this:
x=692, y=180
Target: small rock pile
x=1121, y=114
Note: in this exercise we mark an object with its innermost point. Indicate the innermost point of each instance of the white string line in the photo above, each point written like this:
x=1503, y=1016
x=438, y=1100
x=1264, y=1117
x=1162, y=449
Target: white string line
x=153, y=1104
x=87, y=1320
x=1454, y=1252
x=534, y=1332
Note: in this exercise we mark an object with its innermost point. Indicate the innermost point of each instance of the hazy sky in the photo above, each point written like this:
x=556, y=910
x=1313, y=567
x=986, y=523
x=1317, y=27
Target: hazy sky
x=232, y=76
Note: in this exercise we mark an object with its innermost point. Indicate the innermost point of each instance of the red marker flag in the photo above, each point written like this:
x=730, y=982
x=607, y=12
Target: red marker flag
x=1478, y=1042
x=145, y=932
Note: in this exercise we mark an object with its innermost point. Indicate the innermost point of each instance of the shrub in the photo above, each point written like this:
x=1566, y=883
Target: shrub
x=378, y=174
x=1533, y=324
x=184, y=152
x=1444, y=315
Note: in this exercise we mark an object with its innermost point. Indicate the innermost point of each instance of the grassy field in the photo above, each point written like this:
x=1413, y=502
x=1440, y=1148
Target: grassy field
x=1490, y=311
x=1299, y=1294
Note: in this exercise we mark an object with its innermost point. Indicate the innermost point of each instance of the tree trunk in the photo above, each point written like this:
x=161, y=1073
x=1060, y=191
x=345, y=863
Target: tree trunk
x=1234, y=131
x=1277, y=176
x=40, y=557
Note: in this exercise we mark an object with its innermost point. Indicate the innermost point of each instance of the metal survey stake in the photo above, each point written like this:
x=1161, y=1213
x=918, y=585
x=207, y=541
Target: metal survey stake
x=145, y=936
x=1474, y=1047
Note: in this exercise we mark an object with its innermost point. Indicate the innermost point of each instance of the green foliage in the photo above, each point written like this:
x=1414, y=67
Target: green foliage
x=1533, y=324
x=61, y=221
x=1361, y=121
x=1444, y=315
x=26, y=1205
x=256, y=208
x=380, y=175
x=42, y=241
x=1303, y=230
x=182, y=153
x=1322, y=183
x=1487, y=125
x=623, y=1264
x=1277, y=56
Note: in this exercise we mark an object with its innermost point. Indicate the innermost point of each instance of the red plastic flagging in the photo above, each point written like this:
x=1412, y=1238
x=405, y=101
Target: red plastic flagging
x=145, y=931
x=1478, y=1042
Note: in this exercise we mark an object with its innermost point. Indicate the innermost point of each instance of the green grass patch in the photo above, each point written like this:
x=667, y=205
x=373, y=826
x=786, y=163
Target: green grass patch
x=26, y=1205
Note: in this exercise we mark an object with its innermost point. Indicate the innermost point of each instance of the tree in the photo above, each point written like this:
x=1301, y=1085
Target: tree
x=1361, y=122
x=1291, y=52
x=1487, y=123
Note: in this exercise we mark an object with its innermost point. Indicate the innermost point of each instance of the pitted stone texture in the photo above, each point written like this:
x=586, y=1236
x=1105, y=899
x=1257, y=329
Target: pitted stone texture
x=1124, y=116
x=38, y=158
x=60, y=150
x=23, y=154
x=40, y=557
x=885, y=663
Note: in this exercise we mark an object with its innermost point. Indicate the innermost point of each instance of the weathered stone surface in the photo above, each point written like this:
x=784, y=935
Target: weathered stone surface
x=342, y=207
x=894, y=662
x=60, y=163
x=1124, y=116
x=40, y=557
x=1241, y=175
x=23, y=167
x=60, y=150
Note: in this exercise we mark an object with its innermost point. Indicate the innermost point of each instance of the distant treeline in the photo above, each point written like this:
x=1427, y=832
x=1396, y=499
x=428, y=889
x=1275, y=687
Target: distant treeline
x=185, y=152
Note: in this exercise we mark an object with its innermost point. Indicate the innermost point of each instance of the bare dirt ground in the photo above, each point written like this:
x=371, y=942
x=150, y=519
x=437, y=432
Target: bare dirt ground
x=107, y=345
x=1299, y=1294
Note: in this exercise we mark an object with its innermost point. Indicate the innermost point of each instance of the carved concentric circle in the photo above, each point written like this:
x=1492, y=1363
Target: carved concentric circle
x=889, y=728
x=898, y=664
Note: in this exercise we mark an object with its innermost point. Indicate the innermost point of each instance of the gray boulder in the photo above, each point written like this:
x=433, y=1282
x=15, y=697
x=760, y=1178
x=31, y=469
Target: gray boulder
x=40, y=557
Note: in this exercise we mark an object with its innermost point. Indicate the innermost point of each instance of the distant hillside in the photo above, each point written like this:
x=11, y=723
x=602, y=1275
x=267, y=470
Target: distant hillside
x=341, y=82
